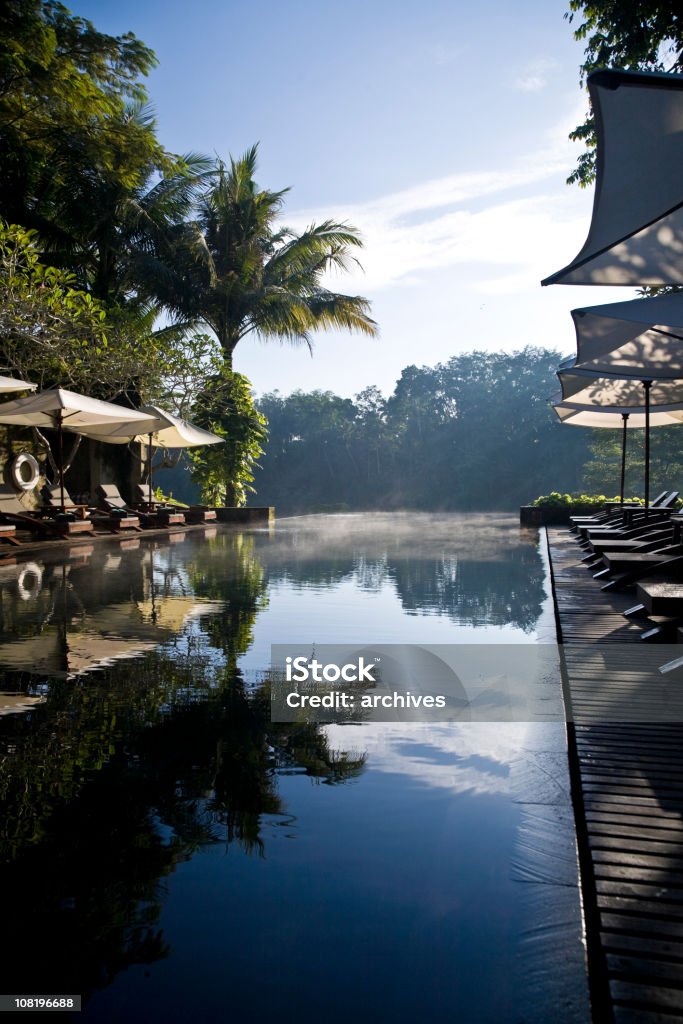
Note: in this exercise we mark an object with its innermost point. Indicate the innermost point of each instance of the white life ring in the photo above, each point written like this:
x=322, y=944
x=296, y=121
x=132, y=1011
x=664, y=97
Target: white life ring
x=29, y=581
x=25, y=472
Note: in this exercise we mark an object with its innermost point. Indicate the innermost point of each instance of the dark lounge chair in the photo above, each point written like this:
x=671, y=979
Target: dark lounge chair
x=192, y=514
x=112, y=501
x=636, y=521
x=115, y=523
x=8, y=534
x=12, y=512
x=168, y=515
x=613, y=512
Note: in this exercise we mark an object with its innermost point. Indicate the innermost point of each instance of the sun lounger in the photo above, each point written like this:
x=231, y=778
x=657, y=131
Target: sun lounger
x=191, y=514
x=8, y=533
x=12, y=512
x=639, y=528
x=52, y=497
x=636, y=569
x=167, y=515
x=614, y=511
x=633, y=518
x=112, y=501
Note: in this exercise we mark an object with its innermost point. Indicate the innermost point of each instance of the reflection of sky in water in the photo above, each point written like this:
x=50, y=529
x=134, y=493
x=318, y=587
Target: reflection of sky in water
x=401, y=579
x=345, y=614
x=438, y=884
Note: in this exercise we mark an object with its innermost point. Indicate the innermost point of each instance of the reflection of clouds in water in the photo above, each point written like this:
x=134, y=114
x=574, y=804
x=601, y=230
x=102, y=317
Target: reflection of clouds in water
x=478, y=758
x=478, y=569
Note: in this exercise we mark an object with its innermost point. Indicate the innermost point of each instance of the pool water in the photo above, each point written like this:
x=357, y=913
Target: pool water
x=171, y=854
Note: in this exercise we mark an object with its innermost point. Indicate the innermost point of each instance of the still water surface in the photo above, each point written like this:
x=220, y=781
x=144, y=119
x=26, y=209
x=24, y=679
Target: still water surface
x=171, y=854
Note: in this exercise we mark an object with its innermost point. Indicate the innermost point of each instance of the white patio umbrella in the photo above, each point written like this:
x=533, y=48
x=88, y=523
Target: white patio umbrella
x=9, y=384
x=614, y=418
x=58, y=409
x=629, y=355
x=636, y=231
x=168, y=431
x=584, y=389
x=633, y=336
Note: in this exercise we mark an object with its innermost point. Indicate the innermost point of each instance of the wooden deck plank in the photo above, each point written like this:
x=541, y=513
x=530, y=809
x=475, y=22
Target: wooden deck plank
x=627, y=740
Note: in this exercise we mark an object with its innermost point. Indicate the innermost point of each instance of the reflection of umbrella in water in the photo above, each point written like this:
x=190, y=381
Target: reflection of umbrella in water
x=124, y=630
x=168, y=432
x=58, y=409
x=17, y=703
x=611, y=418
x=636, y=231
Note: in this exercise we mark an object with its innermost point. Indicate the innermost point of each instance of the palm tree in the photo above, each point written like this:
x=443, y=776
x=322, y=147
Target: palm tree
x=239, y=272
x=109, y=212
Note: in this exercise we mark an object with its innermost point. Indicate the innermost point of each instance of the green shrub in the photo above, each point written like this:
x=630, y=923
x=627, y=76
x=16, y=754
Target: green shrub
x=577, y=504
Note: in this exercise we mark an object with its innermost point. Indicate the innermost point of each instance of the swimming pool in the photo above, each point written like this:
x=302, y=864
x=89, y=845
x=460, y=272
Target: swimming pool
x=170, y=853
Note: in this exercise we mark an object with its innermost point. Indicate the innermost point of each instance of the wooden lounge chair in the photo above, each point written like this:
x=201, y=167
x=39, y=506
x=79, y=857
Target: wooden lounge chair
x=52, y=497
x=112, y=501
x=613, y=512
x=191, y=514
x=655, y=535
x=12, y=512
x=8, y=534
x=631, y=570
x=167, y=515
x=639, y=523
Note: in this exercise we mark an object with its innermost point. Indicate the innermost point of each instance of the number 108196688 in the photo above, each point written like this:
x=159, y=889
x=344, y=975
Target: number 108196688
x=33, y=1003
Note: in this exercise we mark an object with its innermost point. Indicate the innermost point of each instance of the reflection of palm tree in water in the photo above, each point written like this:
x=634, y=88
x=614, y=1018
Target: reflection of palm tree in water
x=124, y=773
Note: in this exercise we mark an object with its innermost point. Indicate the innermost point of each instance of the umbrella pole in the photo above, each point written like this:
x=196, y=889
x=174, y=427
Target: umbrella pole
x=647, y=384
x=60, y=436
x=624, y=417
x=149, y=471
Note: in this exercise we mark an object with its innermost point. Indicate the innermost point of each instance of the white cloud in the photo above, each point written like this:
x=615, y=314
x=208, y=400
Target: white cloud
x=534, y=76
x=476, y=758
x=507, y=220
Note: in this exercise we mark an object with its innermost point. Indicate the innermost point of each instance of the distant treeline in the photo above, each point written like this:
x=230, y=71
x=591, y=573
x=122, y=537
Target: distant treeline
x=475, y=432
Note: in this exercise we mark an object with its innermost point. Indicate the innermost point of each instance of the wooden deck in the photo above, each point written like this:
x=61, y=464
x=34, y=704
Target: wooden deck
x=628, y=796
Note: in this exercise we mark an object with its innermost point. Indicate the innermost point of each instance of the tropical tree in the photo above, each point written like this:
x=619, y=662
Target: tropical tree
x=225, y=406
x=63, y=87
x=640, y=35
x=238, y=270
x=475, y=432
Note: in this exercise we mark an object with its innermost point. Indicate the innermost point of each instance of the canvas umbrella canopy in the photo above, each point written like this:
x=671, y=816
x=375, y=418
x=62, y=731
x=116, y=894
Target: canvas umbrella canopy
x=9, y=384
x=58, y=409
x=632, y=353
x=632, y=337
x=636, y=231
x=164, y=430
x=582, y=389
x=613, y=418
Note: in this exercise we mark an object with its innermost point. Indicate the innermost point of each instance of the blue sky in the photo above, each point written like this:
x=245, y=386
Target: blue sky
x=439, y=130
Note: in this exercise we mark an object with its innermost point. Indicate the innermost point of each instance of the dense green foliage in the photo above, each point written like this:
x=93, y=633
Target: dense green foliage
x=638, y=35
x=476, y=432
x=224, y=472
x=577, y=504
x=666, y=460
x=129, y=237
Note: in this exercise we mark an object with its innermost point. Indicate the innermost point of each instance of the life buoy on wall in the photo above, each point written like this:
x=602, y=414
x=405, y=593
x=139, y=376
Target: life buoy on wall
x=30, y=581
x=25, y=471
